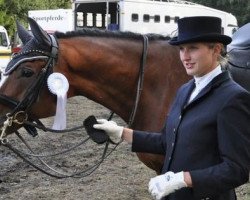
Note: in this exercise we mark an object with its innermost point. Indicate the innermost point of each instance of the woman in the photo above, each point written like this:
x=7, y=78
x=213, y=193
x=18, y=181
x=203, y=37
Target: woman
x=206, y=138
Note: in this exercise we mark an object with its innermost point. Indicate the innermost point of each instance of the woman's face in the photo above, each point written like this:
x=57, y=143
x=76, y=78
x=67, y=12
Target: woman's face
x=199, y=58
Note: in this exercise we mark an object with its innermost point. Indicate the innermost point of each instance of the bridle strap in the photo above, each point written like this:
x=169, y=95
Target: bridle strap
x=8, y=101
x=140, y=80
x=33, y=91
x=54, y=46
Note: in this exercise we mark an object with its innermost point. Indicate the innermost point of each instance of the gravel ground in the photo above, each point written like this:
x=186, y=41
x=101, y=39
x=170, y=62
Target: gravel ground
x=120, y=176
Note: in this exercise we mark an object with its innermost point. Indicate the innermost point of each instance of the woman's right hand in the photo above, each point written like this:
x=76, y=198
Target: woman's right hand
x=111, y=128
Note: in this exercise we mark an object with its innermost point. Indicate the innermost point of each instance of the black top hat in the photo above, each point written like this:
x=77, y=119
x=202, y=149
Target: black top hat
x=200, y=29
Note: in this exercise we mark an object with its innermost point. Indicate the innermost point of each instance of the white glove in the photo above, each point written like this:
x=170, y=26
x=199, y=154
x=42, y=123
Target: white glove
x=111, y=128
x=162, y=185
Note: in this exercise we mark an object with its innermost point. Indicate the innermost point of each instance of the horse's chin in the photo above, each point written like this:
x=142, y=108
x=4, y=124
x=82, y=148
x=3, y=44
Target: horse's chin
x=41, y=113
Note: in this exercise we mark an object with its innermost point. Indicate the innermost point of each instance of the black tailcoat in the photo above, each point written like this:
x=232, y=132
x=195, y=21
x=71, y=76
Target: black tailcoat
x=209, y=137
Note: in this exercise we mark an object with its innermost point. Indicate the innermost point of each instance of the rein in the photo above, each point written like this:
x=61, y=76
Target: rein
x=140, y=80
x=61, y=175
x=21, y=109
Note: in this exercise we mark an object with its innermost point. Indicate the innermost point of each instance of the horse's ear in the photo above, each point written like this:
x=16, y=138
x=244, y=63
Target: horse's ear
x=39, y=34
x=23, y=33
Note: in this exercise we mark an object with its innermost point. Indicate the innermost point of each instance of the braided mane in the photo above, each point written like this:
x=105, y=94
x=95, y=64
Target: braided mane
x=92, y=32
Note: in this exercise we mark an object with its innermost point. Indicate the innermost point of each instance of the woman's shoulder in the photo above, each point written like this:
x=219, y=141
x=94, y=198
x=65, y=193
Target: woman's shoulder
x=232, y=92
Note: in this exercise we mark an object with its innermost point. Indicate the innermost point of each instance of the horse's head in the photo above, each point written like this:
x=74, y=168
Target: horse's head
x=25, y=85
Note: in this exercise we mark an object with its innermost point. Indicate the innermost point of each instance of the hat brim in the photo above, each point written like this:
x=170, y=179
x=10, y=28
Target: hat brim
x=224, y=39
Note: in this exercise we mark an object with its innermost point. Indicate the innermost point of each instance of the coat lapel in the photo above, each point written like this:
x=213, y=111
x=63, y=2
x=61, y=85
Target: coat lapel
x=187, y=90
x=217, y=81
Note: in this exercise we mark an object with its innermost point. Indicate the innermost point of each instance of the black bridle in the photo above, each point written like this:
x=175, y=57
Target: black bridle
x=21, y=108
x=19, y=115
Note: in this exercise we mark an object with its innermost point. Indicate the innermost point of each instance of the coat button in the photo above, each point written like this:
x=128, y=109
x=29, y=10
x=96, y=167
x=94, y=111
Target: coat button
x=180, y=117
x=172, y=144
x=169, y=158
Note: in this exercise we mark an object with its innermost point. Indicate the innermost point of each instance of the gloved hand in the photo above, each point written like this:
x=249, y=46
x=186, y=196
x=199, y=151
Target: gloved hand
x=162, y=185
x=111, y=128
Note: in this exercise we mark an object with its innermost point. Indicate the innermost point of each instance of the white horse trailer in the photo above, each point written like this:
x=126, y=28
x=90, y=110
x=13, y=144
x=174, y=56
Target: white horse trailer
x=143, y=16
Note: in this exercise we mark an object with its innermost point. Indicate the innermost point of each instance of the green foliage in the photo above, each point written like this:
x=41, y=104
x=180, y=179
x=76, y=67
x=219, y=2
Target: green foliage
x=12, y=10
x=239, y=8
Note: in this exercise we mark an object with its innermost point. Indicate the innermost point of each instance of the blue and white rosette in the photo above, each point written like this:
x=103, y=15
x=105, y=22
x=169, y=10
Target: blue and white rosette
x=59, y=85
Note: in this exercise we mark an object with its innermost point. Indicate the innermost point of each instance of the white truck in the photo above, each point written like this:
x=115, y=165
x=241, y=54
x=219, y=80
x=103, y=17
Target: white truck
x=143, y=16
x=5, y=49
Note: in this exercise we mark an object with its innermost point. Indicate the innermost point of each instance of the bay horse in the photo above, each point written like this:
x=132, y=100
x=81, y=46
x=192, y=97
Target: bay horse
x=103, y=66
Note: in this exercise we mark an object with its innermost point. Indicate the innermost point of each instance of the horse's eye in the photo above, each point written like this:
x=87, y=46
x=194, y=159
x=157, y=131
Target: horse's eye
x=27, y=72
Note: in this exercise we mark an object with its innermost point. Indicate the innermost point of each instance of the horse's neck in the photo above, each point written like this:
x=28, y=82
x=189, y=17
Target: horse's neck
x=106, y=71
x=103, y=70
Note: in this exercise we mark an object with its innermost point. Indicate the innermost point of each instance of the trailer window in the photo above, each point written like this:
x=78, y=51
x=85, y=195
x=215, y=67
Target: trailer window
x=157, y=18
x=79, y=19
x=146, y=18
x=134, y=17
x=99, y=20
x=167, y=19
x=89, y=19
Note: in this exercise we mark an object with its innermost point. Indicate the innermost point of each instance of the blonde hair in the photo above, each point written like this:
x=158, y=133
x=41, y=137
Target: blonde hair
x=223, y=57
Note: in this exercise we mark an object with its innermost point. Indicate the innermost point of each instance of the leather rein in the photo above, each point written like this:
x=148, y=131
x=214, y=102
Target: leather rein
x=19, y=115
